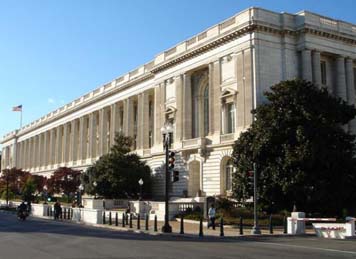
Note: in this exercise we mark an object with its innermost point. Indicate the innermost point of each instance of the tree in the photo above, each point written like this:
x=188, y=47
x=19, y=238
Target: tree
x=117, y=173
x=64, y=180
x=16, y=179
x=303, y=154
x=28, y=190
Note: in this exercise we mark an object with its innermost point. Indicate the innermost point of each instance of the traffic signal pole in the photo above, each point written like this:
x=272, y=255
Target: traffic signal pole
x=166, y=228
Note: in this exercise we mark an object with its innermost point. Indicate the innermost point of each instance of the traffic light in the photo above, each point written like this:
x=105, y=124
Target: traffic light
x=171, y=160
x=175, y=176
x=250, y=180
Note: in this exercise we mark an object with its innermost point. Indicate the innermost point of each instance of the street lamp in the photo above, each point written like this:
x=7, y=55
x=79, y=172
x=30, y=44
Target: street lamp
x=45, y=188
x=140, y=182
x=166, y=131
x=255, y=229
x=80, y=190
x=95, y=184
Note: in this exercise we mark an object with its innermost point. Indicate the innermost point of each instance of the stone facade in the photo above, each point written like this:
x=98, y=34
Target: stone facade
x=206, y=86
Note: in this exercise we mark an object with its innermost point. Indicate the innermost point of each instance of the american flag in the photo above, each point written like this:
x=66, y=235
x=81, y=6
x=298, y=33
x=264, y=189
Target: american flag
x=17, y=108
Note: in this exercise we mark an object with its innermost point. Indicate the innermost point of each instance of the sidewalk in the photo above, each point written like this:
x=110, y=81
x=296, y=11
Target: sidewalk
x=190, y=229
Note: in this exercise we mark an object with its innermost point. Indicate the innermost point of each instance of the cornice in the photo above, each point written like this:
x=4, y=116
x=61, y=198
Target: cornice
x=204, y=48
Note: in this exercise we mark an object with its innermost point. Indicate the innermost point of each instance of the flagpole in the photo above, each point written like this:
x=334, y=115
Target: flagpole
x=21, y=119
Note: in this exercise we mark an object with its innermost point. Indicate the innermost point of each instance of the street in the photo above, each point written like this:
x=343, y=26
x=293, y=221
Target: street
x=37, y=238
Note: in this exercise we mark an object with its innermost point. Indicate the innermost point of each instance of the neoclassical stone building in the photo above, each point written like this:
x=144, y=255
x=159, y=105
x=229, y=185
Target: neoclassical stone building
x=205, y=86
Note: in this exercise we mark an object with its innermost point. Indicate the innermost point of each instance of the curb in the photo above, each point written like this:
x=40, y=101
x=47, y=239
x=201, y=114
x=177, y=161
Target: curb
x=159, y=234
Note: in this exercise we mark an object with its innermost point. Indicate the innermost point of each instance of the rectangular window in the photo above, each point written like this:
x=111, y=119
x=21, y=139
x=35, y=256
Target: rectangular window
x=230, y=118
x=323, y=72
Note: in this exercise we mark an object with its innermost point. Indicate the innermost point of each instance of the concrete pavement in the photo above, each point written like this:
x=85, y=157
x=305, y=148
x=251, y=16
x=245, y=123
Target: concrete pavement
x=38, y=238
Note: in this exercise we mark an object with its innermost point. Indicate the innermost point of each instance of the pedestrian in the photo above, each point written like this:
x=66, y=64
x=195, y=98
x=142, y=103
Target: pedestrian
x=57, y=210
x=211, y=215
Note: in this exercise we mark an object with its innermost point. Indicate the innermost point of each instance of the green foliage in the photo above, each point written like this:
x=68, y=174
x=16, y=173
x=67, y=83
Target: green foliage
x=302, y=153
x=117, y=173
x=11, y=195
x=224, y=204
x=28, y=190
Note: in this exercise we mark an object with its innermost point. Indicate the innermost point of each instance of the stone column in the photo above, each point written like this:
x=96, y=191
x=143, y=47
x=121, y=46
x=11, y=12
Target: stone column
x=102, y=132
x=59, y=145
x=179, y=113
x=52, y=141
x=350, y=84
x=340, y=78
x=73, y=141
x=45, y=149
x=143, y=121
x=82, y=139
x=211, y=98
x=139, y=121
x=187, y=107
x=35, y=151
x=65, y=143
x=157, y=115
x=92, y=136
x=32, y=152
x=114, y=124
x=28, y=154
x=40, y=150
x=316, y=68
x=214, y=70
x=306, y=65
x=125, y=124
x=128, y=117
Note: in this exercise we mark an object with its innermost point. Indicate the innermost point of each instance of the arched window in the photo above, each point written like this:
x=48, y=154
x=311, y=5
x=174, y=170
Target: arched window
x=206, y=110
x=229, y=170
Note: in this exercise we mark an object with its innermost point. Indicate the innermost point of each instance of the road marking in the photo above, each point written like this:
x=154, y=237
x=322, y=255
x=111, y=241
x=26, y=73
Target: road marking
x=313, y=248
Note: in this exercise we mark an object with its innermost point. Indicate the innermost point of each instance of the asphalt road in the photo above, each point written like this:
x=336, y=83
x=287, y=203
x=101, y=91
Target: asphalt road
x=36, y=238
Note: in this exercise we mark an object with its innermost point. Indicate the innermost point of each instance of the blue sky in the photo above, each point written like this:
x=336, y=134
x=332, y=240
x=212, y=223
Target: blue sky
x=52, y=52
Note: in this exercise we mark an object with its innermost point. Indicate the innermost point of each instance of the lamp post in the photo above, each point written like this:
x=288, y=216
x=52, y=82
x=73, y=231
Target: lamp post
x=80, y=190
x=255, y=229
x=166, y=131
x=95, y=184
x=45, y=188
x=7, y=186
x=140, y=182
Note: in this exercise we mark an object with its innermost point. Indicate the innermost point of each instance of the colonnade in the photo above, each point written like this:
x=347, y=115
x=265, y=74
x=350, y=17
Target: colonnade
x=344, y=84
x=82, y=140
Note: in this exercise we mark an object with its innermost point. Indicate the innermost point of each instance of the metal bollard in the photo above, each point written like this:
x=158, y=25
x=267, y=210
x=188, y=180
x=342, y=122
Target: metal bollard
x=110, y=219
x=155, y=224
x=123, y=219
x=69, y=209
x=60, y=214
x=48, y=213
x=65, y=213
x=181, y=224
x=127, y=219
x=241, y=226
x=116, y=220
x=285, y=225
x=270, y=225
x=201, y=227
x=138, y=221
x=221, y=227
x=130, y=220
x=146, y=224
x=104, y=218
